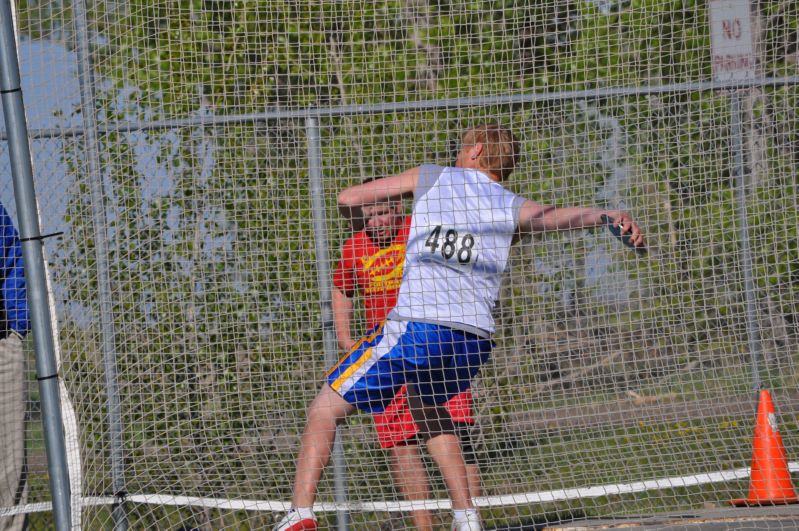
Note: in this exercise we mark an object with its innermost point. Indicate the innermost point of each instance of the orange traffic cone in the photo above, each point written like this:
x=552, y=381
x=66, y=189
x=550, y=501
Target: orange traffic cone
x=770, y=480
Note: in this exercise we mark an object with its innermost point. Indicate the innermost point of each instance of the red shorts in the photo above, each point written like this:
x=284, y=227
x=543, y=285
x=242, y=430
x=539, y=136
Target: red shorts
x=395, y=425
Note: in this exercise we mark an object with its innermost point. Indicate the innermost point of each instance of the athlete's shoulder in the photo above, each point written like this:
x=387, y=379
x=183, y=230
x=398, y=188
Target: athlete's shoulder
x=429, y=177
x=467, y=175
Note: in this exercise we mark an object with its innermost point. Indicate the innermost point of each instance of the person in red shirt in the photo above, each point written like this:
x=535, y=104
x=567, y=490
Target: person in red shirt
x=371, y=267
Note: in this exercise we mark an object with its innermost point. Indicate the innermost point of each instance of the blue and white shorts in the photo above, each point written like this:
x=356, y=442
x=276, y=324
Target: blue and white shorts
x=441, y=361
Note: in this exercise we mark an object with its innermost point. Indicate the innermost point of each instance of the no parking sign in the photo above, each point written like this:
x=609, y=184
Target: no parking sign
x=731, y=40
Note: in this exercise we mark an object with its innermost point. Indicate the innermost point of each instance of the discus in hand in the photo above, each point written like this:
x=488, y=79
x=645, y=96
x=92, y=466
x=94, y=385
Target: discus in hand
x=625, y=238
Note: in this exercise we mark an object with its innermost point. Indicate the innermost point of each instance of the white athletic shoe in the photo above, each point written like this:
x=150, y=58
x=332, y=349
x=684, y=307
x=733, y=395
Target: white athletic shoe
x=471, y=522
x=297, y=520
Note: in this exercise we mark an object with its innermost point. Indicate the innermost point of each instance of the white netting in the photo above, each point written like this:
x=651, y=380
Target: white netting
x=619, y=384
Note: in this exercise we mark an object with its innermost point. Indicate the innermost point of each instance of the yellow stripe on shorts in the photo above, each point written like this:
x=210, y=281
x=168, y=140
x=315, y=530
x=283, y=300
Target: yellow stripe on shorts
x=360, y=342
x=336, y=385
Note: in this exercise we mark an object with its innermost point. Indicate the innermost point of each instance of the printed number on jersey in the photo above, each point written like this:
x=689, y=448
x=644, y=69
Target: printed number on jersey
x=452, y=247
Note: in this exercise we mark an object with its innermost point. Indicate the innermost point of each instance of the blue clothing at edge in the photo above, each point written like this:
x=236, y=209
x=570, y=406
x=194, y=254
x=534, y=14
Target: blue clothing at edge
x=12, y=291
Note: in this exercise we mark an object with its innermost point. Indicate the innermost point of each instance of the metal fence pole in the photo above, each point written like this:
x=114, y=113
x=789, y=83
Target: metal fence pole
x=323, y=276
x=108, y=334
x=739, y=170
x=35, y=277
x=420, y=105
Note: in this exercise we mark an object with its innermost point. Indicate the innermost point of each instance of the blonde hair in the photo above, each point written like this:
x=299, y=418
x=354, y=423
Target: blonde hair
x=500, y=149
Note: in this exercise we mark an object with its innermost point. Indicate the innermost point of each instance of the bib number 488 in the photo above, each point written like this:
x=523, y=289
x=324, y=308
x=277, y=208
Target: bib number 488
x=452, y=245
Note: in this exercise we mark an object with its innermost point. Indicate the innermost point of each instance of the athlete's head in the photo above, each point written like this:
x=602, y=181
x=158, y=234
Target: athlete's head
x=489, y=147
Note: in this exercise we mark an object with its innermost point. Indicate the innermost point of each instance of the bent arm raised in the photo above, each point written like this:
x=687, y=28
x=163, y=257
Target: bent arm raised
x=352, y=200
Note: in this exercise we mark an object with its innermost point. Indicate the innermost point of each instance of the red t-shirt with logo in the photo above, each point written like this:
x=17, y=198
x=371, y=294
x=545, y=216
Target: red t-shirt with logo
x=375, y=273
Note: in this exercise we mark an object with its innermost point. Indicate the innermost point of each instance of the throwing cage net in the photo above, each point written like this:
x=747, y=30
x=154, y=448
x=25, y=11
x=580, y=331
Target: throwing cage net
x=192, y=153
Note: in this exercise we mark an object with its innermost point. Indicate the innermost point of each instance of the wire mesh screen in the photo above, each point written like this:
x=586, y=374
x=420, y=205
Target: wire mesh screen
x=176, y=157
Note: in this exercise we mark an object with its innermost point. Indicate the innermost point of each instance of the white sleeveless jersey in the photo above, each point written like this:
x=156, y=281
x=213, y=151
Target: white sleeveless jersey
x=460, y=237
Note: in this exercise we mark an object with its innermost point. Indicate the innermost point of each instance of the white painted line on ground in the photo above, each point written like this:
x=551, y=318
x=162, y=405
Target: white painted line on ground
x=378, y=506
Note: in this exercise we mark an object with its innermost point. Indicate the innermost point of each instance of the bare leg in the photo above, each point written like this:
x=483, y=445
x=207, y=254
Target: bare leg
x=445, y=450
x=435, y=423
x=324, y=414
x=473, y=477
x=472, y=469
x=410, y=476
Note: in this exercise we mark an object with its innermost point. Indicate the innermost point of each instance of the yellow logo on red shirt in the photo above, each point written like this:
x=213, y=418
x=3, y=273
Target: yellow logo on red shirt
x=384, y=269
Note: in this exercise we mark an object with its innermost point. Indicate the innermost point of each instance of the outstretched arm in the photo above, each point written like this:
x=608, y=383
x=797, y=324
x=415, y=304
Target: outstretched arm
x=538, y=218
x=352, y=200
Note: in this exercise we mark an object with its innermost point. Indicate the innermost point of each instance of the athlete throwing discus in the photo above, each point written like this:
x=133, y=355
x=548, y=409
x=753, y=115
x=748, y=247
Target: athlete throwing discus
x=370, y=269
x=439, y=333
